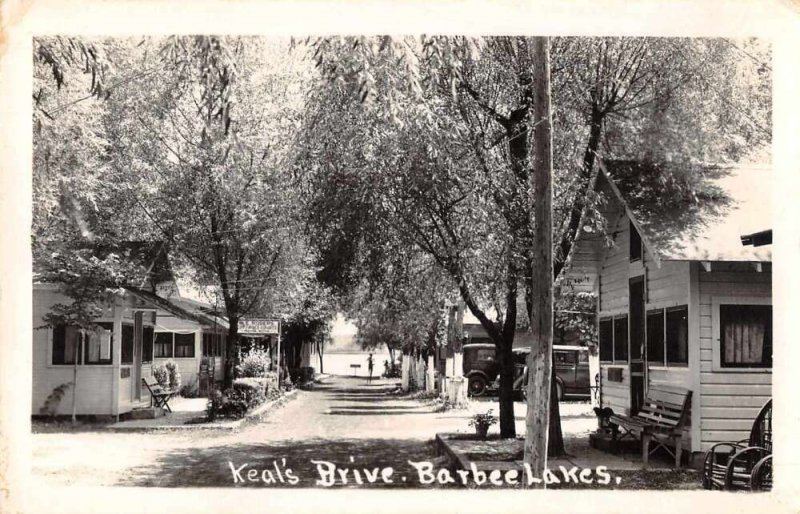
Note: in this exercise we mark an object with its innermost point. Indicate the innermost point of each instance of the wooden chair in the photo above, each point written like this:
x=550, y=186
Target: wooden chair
x=745, y=464
x=660, y=420
x=761, y=477
x=159, y=396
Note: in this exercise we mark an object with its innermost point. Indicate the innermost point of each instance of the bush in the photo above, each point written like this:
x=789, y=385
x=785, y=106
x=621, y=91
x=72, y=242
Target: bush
x=190, y=390
x=214, y=405
x=255, y=363
x=391, y=369
x=174, y=374
x=161, y=375
x=245, y=394
x=257, y=385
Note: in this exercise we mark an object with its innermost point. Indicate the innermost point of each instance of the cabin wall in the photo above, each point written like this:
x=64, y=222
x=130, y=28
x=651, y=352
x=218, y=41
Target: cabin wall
x=188, y=366
x=94, y=391
x=666, y=285
x=730, y=399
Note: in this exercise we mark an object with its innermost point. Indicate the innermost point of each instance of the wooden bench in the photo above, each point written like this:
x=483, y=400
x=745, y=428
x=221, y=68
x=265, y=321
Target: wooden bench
x=661, y=419
x=159, y=396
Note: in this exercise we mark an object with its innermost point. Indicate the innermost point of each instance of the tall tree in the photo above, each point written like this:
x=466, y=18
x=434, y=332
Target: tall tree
x=450, y=121
x=183, y=149
x=211, y=172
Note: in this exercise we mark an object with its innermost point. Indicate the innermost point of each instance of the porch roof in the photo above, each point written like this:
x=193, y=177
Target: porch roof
x=173, y=307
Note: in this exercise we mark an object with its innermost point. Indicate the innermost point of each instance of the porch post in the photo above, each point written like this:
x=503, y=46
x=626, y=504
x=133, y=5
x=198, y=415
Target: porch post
x=116, y=357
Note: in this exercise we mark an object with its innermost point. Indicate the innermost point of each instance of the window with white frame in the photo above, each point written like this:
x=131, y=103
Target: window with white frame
x=613, y=336
x=741, y=333
x=668, y=336
x=174, y=344
x=745, y=336
x=95, y=347
x=162, y=345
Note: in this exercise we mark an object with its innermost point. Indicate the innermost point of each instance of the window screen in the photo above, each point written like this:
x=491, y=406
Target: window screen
x=677, y=335
x=127, y=344
x=655, y=337
x=162, y=347
x=606, y=337
x=184, y=345
x=621, y=338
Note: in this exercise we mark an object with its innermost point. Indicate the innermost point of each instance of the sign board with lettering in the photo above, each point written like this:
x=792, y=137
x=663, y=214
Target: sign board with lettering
x=259, y=327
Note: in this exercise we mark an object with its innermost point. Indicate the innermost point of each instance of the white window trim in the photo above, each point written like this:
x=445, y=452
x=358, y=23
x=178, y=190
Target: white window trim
x=82, y=364
x=716, y=301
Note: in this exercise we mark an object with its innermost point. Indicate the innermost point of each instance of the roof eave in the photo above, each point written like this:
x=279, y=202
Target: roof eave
x=649, y=246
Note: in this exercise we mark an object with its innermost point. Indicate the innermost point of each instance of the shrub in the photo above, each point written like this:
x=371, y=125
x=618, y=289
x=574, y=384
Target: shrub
x=234, y=402
x=174, y=374
x=254, y=363
x=391, y=369
x=161, y=375
x=256, y=385
x=50, y=407
x=190, y=390
x=214, y=405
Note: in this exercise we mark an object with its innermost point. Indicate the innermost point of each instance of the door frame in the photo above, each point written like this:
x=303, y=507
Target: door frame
x=637, y=368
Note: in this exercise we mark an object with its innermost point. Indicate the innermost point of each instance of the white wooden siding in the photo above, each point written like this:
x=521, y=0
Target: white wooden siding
x=616, y=395
x=94, y=392
x=615, y=268
x=730, y=400
x=678, y=377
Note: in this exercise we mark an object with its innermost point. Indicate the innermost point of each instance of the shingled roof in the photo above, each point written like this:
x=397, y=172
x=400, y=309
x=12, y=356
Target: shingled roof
x=171, y=306
x=710, y=232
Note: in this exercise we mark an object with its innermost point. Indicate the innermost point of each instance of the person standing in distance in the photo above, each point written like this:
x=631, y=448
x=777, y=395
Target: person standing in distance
x=370, y=362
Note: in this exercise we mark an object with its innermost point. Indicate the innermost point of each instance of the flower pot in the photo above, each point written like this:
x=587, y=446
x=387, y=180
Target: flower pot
x=481, y=431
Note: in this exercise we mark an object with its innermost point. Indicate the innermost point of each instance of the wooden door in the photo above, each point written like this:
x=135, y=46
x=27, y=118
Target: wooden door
x=636, y=338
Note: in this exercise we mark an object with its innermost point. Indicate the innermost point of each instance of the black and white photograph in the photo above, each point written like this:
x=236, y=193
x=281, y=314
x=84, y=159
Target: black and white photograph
x=389, y=262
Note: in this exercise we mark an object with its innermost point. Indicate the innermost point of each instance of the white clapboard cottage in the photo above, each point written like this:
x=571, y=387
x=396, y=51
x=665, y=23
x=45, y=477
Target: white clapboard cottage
x=137, y=330
x=684, y=300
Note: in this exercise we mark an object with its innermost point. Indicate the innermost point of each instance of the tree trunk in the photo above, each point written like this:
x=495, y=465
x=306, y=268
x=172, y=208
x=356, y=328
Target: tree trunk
x=231, y=353
x=506, y=394
x=321, y=346
x=540, y=361
x=555, y=440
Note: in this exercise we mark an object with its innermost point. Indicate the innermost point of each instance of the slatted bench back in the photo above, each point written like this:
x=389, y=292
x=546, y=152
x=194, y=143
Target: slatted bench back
x=154, y=388
x=666, y=407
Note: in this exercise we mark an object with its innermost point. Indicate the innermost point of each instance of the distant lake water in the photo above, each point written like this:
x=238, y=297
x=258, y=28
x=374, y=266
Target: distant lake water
x=339, y=363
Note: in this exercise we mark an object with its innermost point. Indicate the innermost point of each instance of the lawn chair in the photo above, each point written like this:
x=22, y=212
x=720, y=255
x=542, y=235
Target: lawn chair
x=159, y=396
x=745, y=464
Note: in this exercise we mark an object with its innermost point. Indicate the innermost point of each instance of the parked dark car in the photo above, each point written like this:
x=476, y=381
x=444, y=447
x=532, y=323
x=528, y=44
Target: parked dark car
x=482, y=369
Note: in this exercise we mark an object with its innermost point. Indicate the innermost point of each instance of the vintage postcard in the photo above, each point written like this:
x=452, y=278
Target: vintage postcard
x=361, y=256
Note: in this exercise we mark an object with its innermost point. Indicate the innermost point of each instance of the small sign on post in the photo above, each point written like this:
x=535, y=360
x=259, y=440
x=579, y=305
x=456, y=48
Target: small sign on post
x=264, y=327
x=259, y=327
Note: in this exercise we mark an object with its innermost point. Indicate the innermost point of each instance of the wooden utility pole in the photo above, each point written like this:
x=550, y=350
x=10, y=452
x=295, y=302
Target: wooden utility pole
x=540, y=361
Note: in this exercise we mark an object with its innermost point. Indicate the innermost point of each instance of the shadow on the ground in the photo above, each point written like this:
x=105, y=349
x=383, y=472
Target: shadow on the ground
x=211, y=467
x=347, y=405
x=358, y=412
x=363, y=398
x=63, y=426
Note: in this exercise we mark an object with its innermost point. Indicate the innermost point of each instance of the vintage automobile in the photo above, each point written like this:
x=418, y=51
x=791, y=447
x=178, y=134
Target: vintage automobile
x=483, y=373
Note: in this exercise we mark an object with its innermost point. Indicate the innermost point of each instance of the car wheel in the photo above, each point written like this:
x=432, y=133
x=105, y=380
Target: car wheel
x=477, y=385
x=559, y=391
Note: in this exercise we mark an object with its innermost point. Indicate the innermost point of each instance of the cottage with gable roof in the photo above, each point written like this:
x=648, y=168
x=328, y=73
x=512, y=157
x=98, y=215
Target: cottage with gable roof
x=684, y=300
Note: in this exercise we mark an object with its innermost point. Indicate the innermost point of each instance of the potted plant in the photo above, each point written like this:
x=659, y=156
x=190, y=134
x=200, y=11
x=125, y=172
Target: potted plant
x=482, y=422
